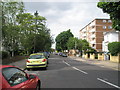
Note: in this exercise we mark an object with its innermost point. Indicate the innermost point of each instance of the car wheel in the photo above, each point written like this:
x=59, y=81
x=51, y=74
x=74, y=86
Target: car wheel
x=38, y=86
x=47, y=62
x=45, y=68
x=28, y=69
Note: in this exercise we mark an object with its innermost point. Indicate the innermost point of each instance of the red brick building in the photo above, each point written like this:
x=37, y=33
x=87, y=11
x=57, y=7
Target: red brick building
x=93, y=32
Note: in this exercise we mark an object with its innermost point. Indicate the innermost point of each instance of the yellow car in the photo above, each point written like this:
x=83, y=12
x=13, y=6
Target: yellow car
x=36, y=60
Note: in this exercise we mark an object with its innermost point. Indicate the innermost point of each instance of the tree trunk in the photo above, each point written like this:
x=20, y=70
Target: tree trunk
x=12, y=53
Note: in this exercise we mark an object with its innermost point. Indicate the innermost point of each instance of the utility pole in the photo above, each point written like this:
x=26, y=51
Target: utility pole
x=75, y=45
x=36, y=14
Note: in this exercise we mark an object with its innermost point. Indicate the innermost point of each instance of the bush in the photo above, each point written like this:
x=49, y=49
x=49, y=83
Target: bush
x=91, y=50
x=114, y=48
x=3, y=54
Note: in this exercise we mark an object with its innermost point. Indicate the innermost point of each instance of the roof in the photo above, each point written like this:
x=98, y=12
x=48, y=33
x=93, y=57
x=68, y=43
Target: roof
x=113, y=31
x=4, y=66
x=36, y=54
x=94, y=20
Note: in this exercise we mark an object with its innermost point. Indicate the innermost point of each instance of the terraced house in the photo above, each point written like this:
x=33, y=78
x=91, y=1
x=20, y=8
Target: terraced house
x=93, y=32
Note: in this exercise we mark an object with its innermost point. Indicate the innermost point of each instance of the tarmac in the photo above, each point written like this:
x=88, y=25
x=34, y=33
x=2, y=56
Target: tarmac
x=101, y=63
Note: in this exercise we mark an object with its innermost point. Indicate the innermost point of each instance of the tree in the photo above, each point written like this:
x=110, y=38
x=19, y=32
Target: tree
x=62, y=39
x=79, y=44
x=23, y=31
x=114, y=48
x=71, y=43
x=34, y=32
x=113, y=9
x=10, y=29
x=74, y=43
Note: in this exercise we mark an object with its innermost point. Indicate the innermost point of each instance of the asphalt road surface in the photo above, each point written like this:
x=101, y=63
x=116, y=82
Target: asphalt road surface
x=64, y=72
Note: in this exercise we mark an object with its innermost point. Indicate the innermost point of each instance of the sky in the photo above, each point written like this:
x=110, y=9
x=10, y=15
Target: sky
x=62, y=15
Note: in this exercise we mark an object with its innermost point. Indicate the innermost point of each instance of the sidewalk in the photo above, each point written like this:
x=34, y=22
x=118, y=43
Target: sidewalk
x=106, y=64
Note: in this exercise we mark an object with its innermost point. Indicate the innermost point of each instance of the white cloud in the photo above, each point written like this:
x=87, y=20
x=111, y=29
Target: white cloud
x=75, y=18
x=60, y=0
x=64, y=16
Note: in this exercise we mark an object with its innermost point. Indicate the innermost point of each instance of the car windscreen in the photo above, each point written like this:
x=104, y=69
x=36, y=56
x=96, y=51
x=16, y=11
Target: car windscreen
x=14, y=76
x=36, y=57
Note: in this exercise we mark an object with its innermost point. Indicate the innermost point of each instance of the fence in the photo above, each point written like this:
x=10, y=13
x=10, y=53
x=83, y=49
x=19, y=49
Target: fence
x=103, y=57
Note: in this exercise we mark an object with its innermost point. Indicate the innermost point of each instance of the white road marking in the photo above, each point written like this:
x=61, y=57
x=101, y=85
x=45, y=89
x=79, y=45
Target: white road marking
x=102, y=66
x=67, y=63
x=75, y=68
x=108, y=83
x=54, y=58
x=79, y=70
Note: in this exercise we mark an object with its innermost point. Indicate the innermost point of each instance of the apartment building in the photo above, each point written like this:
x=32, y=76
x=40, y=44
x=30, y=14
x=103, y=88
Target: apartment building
x=93, y=32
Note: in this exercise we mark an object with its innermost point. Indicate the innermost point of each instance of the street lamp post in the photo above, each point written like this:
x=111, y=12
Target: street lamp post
x=36, y=14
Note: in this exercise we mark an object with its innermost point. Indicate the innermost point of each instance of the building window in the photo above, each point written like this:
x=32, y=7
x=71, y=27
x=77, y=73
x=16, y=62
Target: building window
x=104, y=21
x=104, y=27
x=93, y=32
x=109, y=21
x=109, y=27
x=93, y=45
x=93, y=38
x=93, y=27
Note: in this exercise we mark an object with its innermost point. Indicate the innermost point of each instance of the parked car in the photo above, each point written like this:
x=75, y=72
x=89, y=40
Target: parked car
x=45, y=54
x=60, y=53
x=56, y=53
x=36, y=60
x=64, y=55
x=14, y=78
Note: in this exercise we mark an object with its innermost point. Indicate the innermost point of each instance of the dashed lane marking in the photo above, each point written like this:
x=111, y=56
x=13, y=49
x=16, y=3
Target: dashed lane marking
x=108, y=83
x=79, y=70
x=75, y=68
x=67, y=63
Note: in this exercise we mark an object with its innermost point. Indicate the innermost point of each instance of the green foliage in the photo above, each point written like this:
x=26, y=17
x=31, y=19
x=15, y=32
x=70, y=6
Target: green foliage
x=81, y=45
x=114, y=48
x=71, y=43
x=62, y=39
x=90, y=50
x=85, y=45
x=113, y=9
x=36, y=35
x=74, y=43
x=23, y=31
x=9, y=24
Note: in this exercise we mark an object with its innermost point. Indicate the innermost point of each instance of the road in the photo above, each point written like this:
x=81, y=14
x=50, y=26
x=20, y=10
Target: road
x=65, y=72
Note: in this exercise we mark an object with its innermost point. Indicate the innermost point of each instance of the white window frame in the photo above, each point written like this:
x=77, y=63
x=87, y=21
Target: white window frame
x=109, y=27
x=104, y=27
x=104, y=21
x=109, y=21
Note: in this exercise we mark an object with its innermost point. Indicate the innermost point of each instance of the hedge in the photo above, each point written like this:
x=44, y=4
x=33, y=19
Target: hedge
x=3, y=54
x=114, y=48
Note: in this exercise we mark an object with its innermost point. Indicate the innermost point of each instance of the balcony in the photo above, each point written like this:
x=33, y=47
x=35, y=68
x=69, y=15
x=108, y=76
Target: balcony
x=93, y=42
x=92, y=30
x=84, y=35
x=84, y=31
x=93, y=36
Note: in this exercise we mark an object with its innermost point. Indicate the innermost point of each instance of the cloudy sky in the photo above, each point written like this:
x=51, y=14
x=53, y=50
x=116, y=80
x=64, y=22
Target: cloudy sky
x=62, y=15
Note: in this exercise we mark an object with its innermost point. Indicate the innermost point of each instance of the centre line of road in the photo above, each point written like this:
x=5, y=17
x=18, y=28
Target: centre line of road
x=79, y=70
x=67, y=63
x=108, y=83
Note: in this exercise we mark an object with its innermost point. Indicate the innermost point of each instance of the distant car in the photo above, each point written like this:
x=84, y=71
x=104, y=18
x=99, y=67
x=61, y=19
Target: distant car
x=56, y=53
x=60, y=53
x=15, y=78
x=36, y=60
x=64, y=55
x=47, y=55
